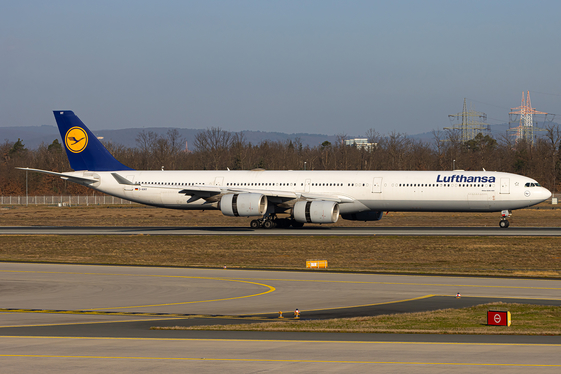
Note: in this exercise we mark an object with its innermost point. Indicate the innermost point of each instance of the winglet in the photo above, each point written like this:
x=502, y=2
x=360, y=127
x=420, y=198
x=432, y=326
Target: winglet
x=84, y=150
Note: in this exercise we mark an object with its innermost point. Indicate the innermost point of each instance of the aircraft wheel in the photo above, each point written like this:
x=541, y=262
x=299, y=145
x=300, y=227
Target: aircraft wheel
x=268, y=224
x=504, y=224
x=255, y=224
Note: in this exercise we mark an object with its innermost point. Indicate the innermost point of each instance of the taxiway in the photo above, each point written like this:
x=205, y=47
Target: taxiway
x=306, y=231
x=98, y=318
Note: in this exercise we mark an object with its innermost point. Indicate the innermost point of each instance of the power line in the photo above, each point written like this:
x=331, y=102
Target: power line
x=545, y=93
x=496, y=106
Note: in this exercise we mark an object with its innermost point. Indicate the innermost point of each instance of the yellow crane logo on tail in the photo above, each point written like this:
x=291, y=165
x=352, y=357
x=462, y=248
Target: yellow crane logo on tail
x=76, y=139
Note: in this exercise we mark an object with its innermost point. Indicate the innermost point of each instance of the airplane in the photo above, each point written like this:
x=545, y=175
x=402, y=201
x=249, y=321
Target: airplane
x=301, y=196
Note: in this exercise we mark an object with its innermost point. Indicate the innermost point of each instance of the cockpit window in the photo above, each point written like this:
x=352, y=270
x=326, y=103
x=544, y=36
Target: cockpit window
x=532, y=185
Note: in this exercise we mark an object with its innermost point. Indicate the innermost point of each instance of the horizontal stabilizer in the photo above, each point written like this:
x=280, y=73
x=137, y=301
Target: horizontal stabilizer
x=70, y=177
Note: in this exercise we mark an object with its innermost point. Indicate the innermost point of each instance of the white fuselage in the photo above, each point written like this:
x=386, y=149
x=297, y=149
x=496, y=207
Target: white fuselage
x=357, y=191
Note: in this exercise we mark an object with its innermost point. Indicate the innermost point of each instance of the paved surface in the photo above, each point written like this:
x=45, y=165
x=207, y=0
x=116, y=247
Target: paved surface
x=100, y=316
x=272, y=356
x=315, y=230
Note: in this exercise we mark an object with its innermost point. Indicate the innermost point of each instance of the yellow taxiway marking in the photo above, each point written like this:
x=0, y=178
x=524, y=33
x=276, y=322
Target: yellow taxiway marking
x=400, y=283
x=282, y=341
x=254, y=280
x=270, y=288
x=93, y=322
x=352, y=306
x=174, y=315
x=263, y=360
x=208, y=359
x=162, y=318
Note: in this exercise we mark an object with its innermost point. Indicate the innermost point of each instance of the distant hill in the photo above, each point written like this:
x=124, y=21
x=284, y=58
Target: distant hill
x=33, y=136
x=497, y=132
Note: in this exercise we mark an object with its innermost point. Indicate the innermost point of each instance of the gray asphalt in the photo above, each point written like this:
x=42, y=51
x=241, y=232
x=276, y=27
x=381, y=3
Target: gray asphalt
x=306, y=231
x=129, y=300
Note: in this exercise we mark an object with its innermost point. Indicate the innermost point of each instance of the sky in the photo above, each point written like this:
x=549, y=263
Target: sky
x=329, y=67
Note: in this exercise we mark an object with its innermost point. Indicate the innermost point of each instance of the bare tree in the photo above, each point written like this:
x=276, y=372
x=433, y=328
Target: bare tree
x=213, y=144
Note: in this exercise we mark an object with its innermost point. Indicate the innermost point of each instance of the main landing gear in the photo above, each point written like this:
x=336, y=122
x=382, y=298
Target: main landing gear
x=272, y=221
x=503, y=224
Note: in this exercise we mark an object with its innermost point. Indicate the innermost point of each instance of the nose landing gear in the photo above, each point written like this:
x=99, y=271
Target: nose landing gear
x=503, y=224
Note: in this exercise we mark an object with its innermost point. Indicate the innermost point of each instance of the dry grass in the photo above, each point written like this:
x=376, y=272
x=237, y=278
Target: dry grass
x=533, y=257
x=526, y=320
x=136, y=215
x=538, y=257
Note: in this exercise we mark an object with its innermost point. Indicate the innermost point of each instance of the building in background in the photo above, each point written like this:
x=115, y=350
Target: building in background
x=361, y=143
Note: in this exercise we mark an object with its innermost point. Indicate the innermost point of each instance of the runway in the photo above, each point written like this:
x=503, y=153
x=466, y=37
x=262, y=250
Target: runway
x=98, y=318
x=306, y=231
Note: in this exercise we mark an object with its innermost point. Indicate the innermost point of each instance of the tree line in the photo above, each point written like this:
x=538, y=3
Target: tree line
x=217, y=149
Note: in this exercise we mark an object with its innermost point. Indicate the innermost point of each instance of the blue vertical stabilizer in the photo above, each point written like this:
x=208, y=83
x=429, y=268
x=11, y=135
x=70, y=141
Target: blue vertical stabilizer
x=84, y=150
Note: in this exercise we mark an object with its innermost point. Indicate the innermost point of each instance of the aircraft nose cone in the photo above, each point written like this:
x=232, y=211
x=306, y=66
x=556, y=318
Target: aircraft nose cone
x=544, y=193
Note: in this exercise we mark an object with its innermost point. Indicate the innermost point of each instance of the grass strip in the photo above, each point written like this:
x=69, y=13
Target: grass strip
x=526, y=320
x=502, y=256
x=544, y=215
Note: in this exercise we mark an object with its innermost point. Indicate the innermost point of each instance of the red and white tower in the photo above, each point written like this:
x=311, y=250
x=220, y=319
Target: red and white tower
x=525, y=129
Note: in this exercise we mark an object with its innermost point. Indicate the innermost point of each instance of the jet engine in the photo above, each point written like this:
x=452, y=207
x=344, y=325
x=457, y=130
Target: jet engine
x=243, y=205
x=316, y=211
x=370, y=215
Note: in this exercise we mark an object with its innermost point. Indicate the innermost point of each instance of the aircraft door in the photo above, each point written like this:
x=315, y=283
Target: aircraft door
x=218, y=181
x=128, y=188
x=377, y=185
x=307, y=185
x=505, y=185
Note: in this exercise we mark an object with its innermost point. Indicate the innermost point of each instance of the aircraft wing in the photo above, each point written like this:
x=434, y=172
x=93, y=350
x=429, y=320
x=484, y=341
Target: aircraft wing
x=214, y=192
x=208, y=192
x=268, y=193
x=334, y=197
x=277, y=196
